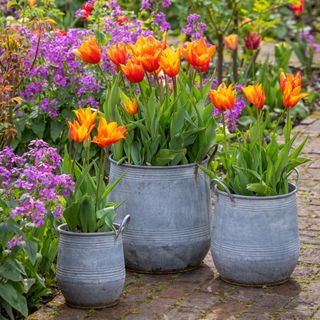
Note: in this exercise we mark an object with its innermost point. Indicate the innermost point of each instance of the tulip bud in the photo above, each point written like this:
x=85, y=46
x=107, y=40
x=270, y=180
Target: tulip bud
x=252, y=41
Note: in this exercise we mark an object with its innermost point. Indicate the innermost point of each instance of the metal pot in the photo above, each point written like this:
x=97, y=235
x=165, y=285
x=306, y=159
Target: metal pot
x=255, y=240
x=90, y=267
x=170, y=216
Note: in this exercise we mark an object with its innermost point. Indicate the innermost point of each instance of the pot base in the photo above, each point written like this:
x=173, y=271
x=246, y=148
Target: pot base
x=93, y=307
x=188, y=269
x=254, y=285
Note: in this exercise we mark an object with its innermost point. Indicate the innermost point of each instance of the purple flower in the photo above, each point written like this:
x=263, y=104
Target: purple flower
x=231, y=116
x=5, y=176
x=14, y=242
x=146, y=4
x=160, y=20
x=194, y=28
x=166, y=3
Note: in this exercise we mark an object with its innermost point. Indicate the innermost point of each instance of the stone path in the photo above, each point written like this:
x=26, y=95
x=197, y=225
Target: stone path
x=202, y=295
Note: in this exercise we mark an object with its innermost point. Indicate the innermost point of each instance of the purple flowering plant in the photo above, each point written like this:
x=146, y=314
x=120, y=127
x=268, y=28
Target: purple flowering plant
x=32, y=200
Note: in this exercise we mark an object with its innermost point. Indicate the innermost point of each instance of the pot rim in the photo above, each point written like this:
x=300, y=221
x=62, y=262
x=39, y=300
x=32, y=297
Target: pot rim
x=128, y=165
x=280, y=196
x=62, y=227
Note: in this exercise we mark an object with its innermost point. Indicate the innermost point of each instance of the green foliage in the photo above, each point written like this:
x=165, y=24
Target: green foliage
x=169, y=129
x=257, y=165
x=87, y=209
x=27, y=271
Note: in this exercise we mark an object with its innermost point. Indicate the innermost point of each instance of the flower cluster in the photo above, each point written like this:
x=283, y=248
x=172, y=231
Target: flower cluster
x=31, y=182
x=108, y=133
x=194, y=27
x=307, y=37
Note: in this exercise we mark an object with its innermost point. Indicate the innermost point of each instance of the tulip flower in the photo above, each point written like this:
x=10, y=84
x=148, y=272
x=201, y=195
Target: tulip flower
x=223, y=98
x=170, y=62
x=89, y=51
x=231, y=42
x=291, y=86
x=117, y=54
x=131, y=107
x=79, y=132
x=255, y=95
x=297, y=9
x=122, y=20
x=294, y=80
x=198, y=54
x=147, y=50
x=86, y=116
x=133, y=70
x=108, y=133
x=252, y=41
x=86, y=8
x=32, y=3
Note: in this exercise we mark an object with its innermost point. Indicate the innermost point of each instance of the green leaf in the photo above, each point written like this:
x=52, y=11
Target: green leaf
x=87, y=215
x=9, y=270
x=70, y=214
x=165, y=156
x=38, y=127
x=31, y=249
x=261, y=189
x=14, y=298
x=56, y=128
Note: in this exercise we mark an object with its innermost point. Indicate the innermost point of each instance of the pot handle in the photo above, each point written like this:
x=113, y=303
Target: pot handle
x=297, y=183
x=123, y=225
x=216, y=181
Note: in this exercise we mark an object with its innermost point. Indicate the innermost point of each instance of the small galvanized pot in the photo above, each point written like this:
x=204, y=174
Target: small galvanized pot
x=90, y=267
x=170, y=216
x=255, y=240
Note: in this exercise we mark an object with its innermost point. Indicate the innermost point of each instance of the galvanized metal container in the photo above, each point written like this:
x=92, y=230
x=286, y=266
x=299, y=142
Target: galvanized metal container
x=170, y=216
x=90, y=267
x=255, y=240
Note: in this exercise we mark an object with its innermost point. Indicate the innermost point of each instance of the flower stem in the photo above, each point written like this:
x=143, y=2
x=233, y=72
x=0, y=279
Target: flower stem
x=174, y=80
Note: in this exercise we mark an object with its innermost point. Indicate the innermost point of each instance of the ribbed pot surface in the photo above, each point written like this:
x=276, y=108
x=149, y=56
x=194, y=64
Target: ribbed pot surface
x=255, y=240
x=90, y=268
x=169, y=229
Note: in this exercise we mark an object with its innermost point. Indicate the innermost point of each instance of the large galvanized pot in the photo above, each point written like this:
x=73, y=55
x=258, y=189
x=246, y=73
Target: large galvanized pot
x=255, y=240
x=170, y=216
x=90, y=267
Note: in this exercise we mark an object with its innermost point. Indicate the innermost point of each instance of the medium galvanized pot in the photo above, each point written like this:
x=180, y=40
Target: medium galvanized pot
x=255, y=240
x=90, y=267
x=170, y=216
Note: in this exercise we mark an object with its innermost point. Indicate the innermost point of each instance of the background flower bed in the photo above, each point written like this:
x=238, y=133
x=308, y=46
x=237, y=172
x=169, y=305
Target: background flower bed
x=44, y=81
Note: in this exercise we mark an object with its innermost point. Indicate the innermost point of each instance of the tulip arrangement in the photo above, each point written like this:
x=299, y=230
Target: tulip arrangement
x=168, y=118
x=86, y=208
x=258, y=165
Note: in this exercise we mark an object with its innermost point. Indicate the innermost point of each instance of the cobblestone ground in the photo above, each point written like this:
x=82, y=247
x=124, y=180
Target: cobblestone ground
x=202, y=295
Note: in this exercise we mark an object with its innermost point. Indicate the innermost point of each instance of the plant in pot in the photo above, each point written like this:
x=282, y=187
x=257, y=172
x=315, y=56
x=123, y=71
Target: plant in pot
x=90, y=265
x=255, y=238
x=170, y=129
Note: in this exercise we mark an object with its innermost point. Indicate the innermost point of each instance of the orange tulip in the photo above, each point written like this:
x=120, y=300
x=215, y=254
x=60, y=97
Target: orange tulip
x=294, y=80
x=223, y=98
x=131, y=107
x=255, y=95
x=291, y=87
x=147, y=50
x=231, y=42
x=133, y=70
x=170, y=61
x=32, y=3
x=79, y=132
x=86, y=116
x=117, y=54
x=89, y=51
x=108, y=133
x=198, y=54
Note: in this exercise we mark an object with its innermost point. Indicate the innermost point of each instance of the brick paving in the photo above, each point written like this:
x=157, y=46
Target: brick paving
x=200, y=294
